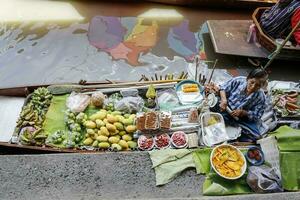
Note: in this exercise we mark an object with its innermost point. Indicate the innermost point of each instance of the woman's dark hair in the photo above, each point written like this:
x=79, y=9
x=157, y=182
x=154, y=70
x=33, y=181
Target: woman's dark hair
x=257, y=73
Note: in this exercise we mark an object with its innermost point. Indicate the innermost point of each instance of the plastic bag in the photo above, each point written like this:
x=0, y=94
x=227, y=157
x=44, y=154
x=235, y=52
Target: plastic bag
x=129, y=104
x=129, y=92
x=78, y=102
x=263, y=179
x=109, y=103
x=167, y=99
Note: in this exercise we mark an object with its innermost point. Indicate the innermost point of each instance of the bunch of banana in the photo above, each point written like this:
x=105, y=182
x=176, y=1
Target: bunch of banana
x=29, y=117
x=41, y=99
x=36, y=137
x=33, y=114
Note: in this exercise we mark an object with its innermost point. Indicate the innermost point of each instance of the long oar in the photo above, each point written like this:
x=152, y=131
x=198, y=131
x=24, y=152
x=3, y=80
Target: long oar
x=278, y=49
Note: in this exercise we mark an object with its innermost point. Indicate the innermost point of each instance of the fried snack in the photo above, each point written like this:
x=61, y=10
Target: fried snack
x=186, y=88
x=228, y=161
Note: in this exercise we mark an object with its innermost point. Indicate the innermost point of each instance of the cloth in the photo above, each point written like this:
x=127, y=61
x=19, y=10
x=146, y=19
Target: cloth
x=169, y=163
x=237, y=98
x=295, y=19
x=276, y=20
x=214, y=185
x=288, y=139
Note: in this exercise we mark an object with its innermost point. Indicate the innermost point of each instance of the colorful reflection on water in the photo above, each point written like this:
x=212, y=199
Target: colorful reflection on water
x=114, y=48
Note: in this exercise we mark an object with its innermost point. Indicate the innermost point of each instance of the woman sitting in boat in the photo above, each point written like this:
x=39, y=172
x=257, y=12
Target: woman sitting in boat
x=242, y=103
x=279, y=20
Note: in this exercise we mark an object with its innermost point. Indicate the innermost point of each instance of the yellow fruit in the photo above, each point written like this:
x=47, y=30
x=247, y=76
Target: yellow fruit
x=102, y=138
x=118, y=136
x=114, y=133
x=103, y=145
x=120, y=118
x=95, y=143
x=104, y=131
x=127, y=122
x=98, y=115
x=105, y=121
x=113, y=139
x=123, y=144
x=127, y=116
x=130, y=129
x=119, y=126
x=116, y=147
x=102, y=110
x=111, y=128
x=86, y=135
x=88, y=141
x=127, y=137
x=99, y=123
x=122, y=133
x=90, y=131
x=132, y=144
x=94, y=136
x=132, y=116
x=90, y=124
x=112, y=119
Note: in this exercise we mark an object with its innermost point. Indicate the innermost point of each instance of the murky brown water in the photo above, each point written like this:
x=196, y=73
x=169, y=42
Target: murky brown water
x=39, y=53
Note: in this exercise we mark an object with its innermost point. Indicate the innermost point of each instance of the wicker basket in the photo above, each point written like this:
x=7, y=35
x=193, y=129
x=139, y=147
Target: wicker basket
x=268, y=42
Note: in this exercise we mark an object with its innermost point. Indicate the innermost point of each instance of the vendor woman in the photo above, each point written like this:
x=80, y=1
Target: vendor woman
x=246, y=102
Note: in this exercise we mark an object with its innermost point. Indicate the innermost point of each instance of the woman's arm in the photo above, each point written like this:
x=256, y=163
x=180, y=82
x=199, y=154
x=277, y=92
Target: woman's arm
x=223, y=103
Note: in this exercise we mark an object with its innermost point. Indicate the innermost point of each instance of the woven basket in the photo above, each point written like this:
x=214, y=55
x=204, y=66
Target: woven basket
x=268, y=42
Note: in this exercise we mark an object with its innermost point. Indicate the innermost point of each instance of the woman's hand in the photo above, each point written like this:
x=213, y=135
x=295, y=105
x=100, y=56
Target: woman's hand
x=223, y=105
x=239, y=113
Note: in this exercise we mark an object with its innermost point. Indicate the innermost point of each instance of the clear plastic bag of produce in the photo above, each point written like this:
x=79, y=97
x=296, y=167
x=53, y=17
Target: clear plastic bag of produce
x=167, y=99
x=77, y=102
x=129, y=104
x=263, y=179
x=109, y=103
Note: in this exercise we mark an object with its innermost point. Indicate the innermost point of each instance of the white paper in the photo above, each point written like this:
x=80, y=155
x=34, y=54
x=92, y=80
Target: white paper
x=10, y=108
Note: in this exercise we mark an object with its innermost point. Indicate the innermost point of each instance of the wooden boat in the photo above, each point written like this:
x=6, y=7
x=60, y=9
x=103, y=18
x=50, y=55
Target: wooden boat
x=219, y=3
x=269, y=43
x=11, y=147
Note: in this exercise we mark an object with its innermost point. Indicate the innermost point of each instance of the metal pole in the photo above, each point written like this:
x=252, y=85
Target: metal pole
x=278, y=49
x=213, y=70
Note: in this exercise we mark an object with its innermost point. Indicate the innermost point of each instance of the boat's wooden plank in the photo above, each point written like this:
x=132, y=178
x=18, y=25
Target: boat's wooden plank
x=10, y=108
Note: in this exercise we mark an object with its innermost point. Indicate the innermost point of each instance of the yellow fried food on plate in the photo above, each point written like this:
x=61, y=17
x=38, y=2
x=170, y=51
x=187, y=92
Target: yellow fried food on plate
x=186, y=88
x=228, y=161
